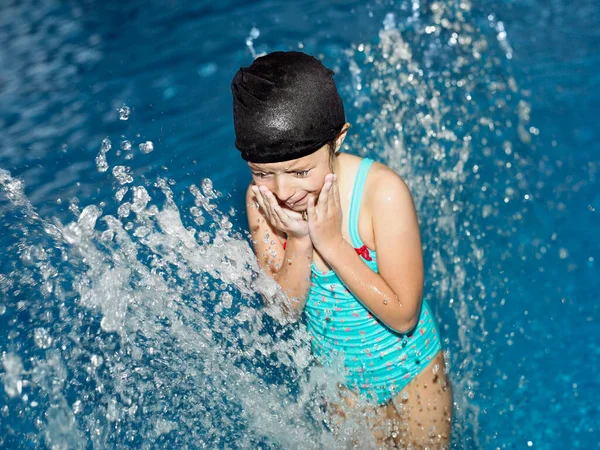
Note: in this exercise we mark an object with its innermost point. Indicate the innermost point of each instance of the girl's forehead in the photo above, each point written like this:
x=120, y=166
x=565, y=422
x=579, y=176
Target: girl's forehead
x=284, y=165
x=287, y=165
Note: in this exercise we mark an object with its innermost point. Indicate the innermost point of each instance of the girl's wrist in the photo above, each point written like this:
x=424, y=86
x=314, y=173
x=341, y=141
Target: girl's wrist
x=331, y=248
x=302, y=241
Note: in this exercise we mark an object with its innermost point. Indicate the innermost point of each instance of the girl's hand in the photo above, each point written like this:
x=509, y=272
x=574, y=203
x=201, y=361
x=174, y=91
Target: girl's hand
x=325, y=219
x=285, y=220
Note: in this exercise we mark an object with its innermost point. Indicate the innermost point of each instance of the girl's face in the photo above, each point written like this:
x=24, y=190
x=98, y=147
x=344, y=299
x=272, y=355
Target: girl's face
x=293, y=182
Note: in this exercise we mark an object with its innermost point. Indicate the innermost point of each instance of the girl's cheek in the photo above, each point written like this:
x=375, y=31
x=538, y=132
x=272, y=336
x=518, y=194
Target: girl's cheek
x=315, y=187
x=260, y=182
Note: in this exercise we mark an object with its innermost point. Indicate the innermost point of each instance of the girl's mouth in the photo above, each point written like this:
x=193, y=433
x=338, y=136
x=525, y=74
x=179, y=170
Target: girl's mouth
x=300, y=200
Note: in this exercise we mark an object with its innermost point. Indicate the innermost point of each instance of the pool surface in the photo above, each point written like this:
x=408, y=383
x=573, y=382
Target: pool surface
x=130, y=303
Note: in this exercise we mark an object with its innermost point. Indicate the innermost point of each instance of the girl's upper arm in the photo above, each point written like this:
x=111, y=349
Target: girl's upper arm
x=266, y=240
x=397, y=239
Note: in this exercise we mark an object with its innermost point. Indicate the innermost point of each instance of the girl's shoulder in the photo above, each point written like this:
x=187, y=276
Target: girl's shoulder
x=385, y=188
x=379, y=176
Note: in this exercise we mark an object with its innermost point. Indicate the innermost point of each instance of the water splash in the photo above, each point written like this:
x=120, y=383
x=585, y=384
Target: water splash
x=139, y=322
x=442, y=97
x=150, y=330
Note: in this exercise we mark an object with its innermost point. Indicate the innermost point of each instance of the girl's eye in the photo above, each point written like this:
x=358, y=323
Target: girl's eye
x=302, y=173
x=260, y=174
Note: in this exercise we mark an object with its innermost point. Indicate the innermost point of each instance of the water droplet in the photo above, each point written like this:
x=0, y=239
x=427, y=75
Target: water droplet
x=77, y=408
x=13, y=367
x=106, y=145
x=124, y=112
x=254, y=33
x=96, y=360
x=42, y=338
x=140, y=199
x=126, y=145
x=124, y=209
x=207, y=187
x=146, y=147
x=122, y=174
x=226, y=299
x=101, y=163
x=121, y=193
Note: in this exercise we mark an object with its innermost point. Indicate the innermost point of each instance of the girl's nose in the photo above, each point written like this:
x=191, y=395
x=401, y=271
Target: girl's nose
x=283, y=190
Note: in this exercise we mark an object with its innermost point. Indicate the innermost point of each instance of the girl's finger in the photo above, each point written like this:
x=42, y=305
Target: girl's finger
x=281, y=214
x=273, y=205
x=278, y=212
x=335, y=193
x=312, y=213
x=324, y=197
x=293, y=215
x=259, y=198
x=266, y=206
x=271, y=200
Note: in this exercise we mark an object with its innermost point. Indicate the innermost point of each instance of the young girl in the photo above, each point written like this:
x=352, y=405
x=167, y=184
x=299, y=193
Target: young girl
x=340, y=236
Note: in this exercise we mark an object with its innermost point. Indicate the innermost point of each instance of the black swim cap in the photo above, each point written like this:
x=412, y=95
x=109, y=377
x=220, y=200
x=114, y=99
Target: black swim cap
x=285, y=106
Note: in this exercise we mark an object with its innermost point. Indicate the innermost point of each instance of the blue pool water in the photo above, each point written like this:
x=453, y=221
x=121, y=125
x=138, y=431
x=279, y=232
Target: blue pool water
x=129, y=312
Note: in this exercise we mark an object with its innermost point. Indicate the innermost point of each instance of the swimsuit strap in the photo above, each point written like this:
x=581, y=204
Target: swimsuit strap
x=357, y=194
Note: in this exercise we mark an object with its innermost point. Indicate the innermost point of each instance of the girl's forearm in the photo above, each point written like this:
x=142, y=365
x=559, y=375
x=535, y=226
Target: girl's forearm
x=294, y=274
x=371, y=289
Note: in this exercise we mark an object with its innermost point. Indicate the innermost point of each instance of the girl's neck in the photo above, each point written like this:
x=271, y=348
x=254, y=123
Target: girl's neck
x=337, y=164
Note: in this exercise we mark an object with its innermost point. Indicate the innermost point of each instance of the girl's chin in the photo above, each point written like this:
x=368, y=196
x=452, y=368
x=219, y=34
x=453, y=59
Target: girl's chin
x=297, y=209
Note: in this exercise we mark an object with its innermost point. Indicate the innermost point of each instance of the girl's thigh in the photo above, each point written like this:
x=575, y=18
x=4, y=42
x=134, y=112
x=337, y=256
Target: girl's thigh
x=423, y=409
x=419, y=417
x=360, y=425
